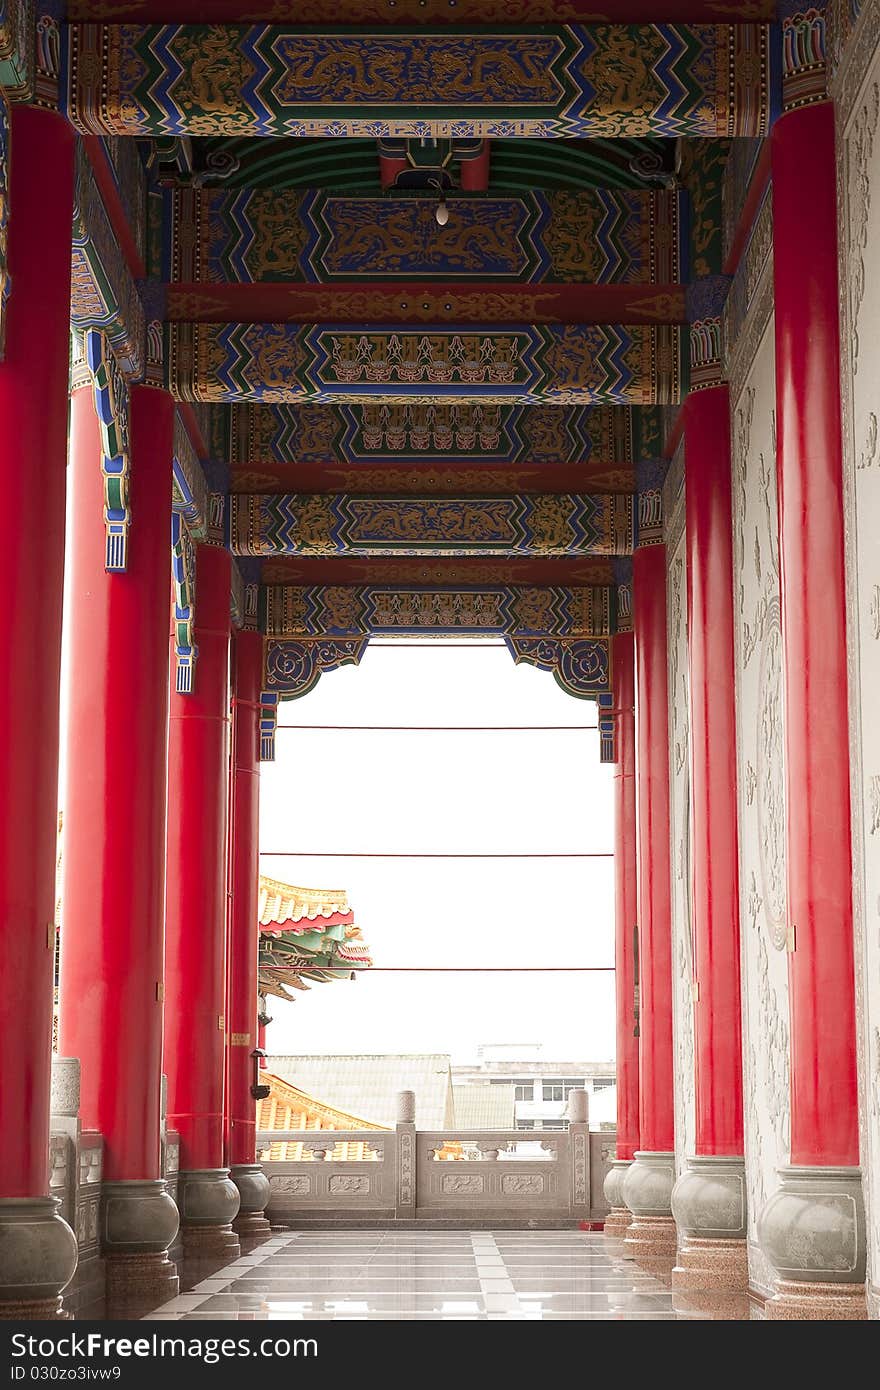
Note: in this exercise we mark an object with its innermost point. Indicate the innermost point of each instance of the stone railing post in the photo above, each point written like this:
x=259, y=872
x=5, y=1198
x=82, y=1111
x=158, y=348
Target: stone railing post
x=64, y=1128
x=405, y=1134
x=579, y=1153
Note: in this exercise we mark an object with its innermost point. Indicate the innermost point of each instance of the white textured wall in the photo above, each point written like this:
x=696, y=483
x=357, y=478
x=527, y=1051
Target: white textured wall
x=859, y=181
x=679, y=808
x=761, y=790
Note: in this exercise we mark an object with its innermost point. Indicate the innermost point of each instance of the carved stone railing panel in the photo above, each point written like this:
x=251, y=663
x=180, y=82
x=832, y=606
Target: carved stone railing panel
x=495, y=1175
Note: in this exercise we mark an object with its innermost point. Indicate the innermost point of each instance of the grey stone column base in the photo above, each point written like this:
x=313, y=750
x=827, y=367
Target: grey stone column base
x=652, y=1242
x=138, y=1223
x=812, y=1231
x=800, y=1301
x=617, y=1223
x=619, y=1217
x=208, y=1202
x=253, y=1192
x=137, y=1282
x=711, y=1277
x=647, y=1190
x=38, y=1255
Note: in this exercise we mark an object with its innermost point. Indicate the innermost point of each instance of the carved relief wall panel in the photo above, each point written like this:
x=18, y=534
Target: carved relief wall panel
x=679, y=818
x=859, y=240
x=761, y=789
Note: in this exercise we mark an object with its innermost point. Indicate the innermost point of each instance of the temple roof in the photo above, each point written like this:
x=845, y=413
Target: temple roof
x=287, y=908
x=287, y=1107
x=311, y=928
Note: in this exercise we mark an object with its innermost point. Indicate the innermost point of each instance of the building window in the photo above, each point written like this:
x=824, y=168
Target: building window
x=553, y=1090
x=525, y=1124
x=554, y=1124
x=524, y=1090
x=573, y=1083
x=601, y=1083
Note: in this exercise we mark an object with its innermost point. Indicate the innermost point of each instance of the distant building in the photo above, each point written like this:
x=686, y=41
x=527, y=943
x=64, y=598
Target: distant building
x=541, y=1087
x=510, y=1086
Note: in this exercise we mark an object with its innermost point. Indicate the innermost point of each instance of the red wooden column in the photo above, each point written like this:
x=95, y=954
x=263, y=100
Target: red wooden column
x=475, y=172
x=824, y=1110
x=647, y=1186
x=714, y=844
x=113, y=864
x=33, y=424
x=195, y=918
x=625, y=918
x=244, y=860
x=708, y=1200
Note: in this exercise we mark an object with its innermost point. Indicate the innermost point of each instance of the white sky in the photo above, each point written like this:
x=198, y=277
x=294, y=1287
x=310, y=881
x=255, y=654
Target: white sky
x=442, y=792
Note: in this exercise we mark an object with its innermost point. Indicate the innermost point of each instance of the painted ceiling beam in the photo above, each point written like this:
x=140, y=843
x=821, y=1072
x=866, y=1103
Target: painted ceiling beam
x=445, y=571
x=543, y=524
x=475, y=610
x=591, y=236
x=397, y=13
x=563, y=365
x=715, y=80
x=456, y=433
x=370, y=303
x=581, y=667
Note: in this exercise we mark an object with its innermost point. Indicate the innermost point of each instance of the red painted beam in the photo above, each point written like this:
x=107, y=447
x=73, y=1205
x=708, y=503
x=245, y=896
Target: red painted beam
x=366, y=302
x=754, y=196
x=392, y=478
x=106, y=182
x=400, y=13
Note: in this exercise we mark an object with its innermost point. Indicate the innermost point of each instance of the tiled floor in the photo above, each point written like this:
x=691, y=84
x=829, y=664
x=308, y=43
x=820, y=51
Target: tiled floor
x=435, y=1275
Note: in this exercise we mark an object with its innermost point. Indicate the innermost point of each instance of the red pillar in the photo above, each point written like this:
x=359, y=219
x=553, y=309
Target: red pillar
x=113, y=799
x=475, y=172
x=389, y=169
x=824, y=1107
x=243, y=934
x=647, y=1183
x=626, y=911
x=33, y=426
x=195, y=915
x=656, y=1108
x=714, y=844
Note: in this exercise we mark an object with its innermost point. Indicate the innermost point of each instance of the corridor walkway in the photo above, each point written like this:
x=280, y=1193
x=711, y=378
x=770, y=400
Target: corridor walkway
x=434, y=1275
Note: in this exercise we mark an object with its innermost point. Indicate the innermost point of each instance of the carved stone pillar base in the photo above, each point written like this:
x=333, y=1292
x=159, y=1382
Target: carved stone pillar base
x=38, y=1255
x=41, y=1310
x=803, y=1302
x=652, y=1242
x=711, y=1277
x=812, y=1231
x=138, y=1223
x=618, y=1220
x=253, y=1192
x=617, y=1223
x=647, y=1190
x=711, y=1280
x=251, y=1227
x=210, y=1243
x=140, y=1281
